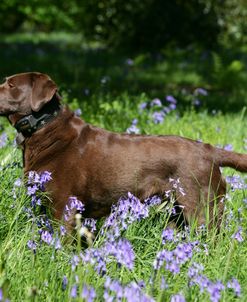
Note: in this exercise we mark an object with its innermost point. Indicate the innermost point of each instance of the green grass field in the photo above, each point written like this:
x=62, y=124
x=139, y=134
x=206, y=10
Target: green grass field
x=144, y=261
x=39, y=276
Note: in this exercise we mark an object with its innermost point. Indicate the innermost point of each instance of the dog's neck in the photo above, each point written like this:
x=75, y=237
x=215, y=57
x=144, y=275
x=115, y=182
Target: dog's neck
x=28, y=124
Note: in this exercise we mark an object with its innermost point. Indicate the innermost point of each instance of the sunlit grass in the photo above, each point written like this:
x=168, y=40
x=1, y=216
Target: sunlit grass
x=41, y=276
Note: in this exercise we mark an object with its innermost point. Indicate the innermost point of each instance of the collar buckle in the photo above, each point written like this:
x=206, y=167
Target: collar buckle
x=26, y=124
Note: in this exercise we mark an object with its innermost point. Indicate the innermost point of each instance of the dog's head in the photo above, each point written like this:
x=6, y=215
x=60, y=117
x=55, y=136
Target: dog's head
x=25, y=92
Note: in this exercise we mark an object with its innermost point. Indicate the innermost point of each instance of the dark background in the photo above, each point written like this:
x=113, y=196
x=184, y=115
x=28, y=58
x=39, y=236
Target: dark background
x=93, y=48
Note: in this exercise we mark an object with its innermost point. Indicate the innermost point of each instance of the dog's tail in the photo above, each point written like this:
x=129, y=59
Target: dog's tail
x=234, y=160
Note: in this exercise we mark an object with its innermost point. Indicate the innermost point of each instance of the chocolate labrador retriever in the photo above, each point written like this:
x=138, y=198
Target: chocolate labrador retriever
x=98, y=166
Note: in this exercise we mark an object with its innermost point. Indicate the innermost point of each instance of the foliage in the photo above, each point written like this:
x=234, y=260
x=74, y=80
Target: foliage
x=93, y=74
x=150, y=24
x=44, y=15
x=133, y=25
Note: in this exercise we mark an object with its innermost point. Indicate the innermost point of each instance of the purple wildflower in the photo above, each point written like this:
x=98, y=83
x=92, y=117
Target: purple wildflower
x=57, y=244
x=133, y=129
x=127, y=211
x=236, y=182
x=130, y=293
x=1, y=294
x=123, y=252
x=167, y=235
x=133, y=292
x=171, y=99
x=88, y=293
x=163, y=283
x=64, y=283
x=235, y=286
x=194, y=270
x=196, y=102
x=177, y=298
x=228, y=147
x=174, y=259
x=107, y=297
x=36, y=182
x=62, y=230
x=158, y=117
x=200, y=91
x=78, y=112
x=156, y=102
x=153, y=201
x=74, y=262
x=129, y=62
x=74, y=205
x=143, y=106
x=177, y=186
x=46, y=237
x=172, y=106
x=114, y=286
x=90, y=223
x=18, y=182
x=95, y=257
x=3, y=140
x=238, y=235
x=73, y=292
x=32, y=245
x=45, y=177
x=214, y=290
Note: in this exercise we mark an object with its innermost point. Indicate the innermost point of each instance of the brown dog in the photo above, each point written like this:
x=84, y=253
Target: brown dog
x=98, y=166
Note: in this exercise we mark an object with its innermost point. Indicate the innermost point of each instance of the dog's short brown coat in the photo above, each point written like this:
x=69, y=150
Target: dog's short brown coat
x=98, y=166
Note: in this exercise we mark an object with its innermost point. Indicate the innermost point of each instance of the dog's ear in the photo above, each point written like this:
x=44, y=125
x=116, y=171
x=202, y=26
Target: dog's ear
x=43, y=90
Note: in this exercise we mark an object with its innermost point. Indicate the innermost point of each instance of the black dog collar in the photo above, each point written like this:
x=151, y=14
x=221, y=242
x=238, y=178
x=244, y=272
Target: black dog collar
x=28, y=124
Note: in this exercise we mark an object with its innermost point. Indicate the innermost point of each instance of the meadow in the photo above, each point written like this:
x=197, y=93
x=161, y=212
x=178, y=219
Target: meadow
x=135, y=255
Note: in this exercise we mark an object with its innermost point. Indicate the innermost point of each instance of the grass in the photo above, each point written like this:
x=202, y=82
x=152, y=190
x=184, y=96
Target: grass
x=109, y=90
x=39, y=276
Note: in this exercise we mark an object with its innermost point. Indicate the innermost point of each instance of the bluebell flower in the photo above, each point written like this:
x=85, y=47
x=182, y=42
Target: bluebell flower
x=177, y=298
x=129, y=62
x=238, y=235
x=195, y=269
x=158, y=117
x=171, y=99
x=74, y=205
x=156, y=102
x=78, y=112
x=200, y=91
x=153, y=201
x=167, y=235
x=3, y=140
x=64, y=283
x=90, y=223
x=143, y=106
x=196, y=102
x=62, y=230
x=236, y=182
x=32, y=245
x=46, y=237
x=73, y=292
x=88, y=293
x=123, y=252
x=235, y=286
x=228, y=147
x=75, y=262
x=133, y=129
